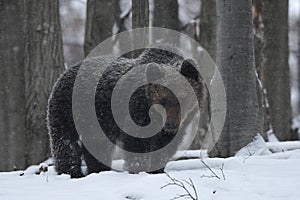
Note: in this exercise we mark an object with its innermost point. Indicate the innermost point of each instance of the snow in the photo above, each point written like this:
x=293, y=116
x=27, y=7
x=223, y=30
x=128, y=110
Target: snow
x=125, y=6
x=73, y=16
x=267, y=171
x=294, y=10
x=190, y=154
x=256, y=147
x=271, y=136
x=283, y=146
x=188, y=10
x=268, y=177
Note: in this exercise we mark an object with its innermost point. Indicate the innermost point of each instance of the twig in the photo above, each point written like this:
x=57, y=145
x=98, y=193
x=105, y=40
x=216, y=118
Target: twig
x=180, y=196
x=181, y=184
x=222, y=170
x=214, y=174
x=206, y=176
x=194, y=188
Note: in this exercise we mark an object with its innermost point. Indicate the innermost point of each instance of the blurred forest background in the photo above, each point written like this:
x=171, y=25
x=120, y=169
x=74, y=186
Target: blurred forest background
x=39, y=39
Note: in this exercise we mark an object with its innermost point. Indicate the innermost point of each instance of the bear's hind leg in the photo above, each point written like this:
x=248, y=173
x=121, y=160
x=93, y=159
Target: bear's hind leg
x=67, y=156
x=93, y=165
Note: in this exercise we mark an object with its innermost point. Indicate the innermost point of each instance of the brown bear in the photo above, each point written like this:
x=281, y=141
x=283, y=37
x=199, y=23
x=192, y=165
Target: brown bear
x=66, y=145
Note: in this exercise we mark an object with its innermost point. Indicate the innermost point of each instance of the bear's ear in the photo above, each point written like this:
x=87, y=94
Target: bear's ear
x=154, y=72
x=189, y=70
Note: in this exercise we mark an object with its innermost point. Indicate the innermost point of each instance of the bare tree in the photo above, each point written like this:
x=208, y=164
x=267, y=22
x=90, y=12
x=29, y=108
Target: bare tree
x=298, y=56
x=43, y=64
x=258, y=35
x=235, y=59
x=12, y=92
x=140, y=18
x=99, y=22
x=276, y=73
x=258, y=53
x=207, y=38
x=30, y=65
x=140, y=13
x=208, y=26
x=121, y=19
x=166, y=14
x=72, y=18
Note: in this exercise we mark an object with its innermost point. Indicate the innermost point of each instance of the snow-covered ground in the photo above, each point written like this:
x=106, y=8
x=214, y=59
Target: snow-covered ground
x=273, y=176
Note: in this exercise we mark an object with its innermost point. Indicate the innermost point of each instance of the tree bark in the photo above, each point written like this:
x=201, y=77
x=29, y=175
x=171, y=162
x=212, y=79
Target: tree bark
x=276, y=73
x=12, y=93
x=258, y=35
x=140, y=18
x=258, y=52
x=43, y=64
x=121, y=18
x=207, y=38
x=235, y=59
x=140, y=13
x=166, y=14
x=99, y=22
x=208, y=26
x=298, y=29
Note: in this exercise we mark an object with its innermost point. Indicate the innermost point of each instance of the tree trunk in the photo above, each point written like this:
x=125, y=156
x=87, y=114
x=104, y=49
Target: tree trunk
x=298, y=29
x=72, y=24
x=99, y=22
x=235, y=59
x=166, y=14
x=12, y=93
x=258, y=35
x=140, y=13
x=276, y=74
x=207, y=38
x=43, y=64
x=120, y=20
x=258, y=52
x=140, y=18
x=208, y=26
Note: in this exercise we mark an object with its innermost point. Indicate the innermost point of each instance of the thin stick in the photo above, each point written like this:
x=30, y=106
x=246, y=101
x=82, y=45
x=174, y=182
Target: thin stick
x=210, y=169
x=181, y=184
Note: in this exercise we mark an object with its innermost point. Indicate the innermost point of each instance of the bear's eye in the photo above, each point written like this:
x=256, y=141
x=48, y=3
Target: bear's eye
x=163, y=101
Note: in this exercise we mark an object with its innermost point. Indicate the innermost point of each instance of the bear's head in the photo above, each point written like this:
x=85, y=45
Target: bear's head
x=162, y=95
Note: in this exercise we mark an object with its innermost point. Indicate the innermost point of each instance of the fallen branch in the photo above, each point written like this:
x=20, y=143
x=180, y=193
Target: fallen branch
x=182, y=184
x=214, y=175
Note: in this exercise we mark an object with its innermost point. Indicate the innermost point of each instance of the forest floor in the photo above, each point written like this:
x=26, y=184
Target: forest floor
x=268, y=176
